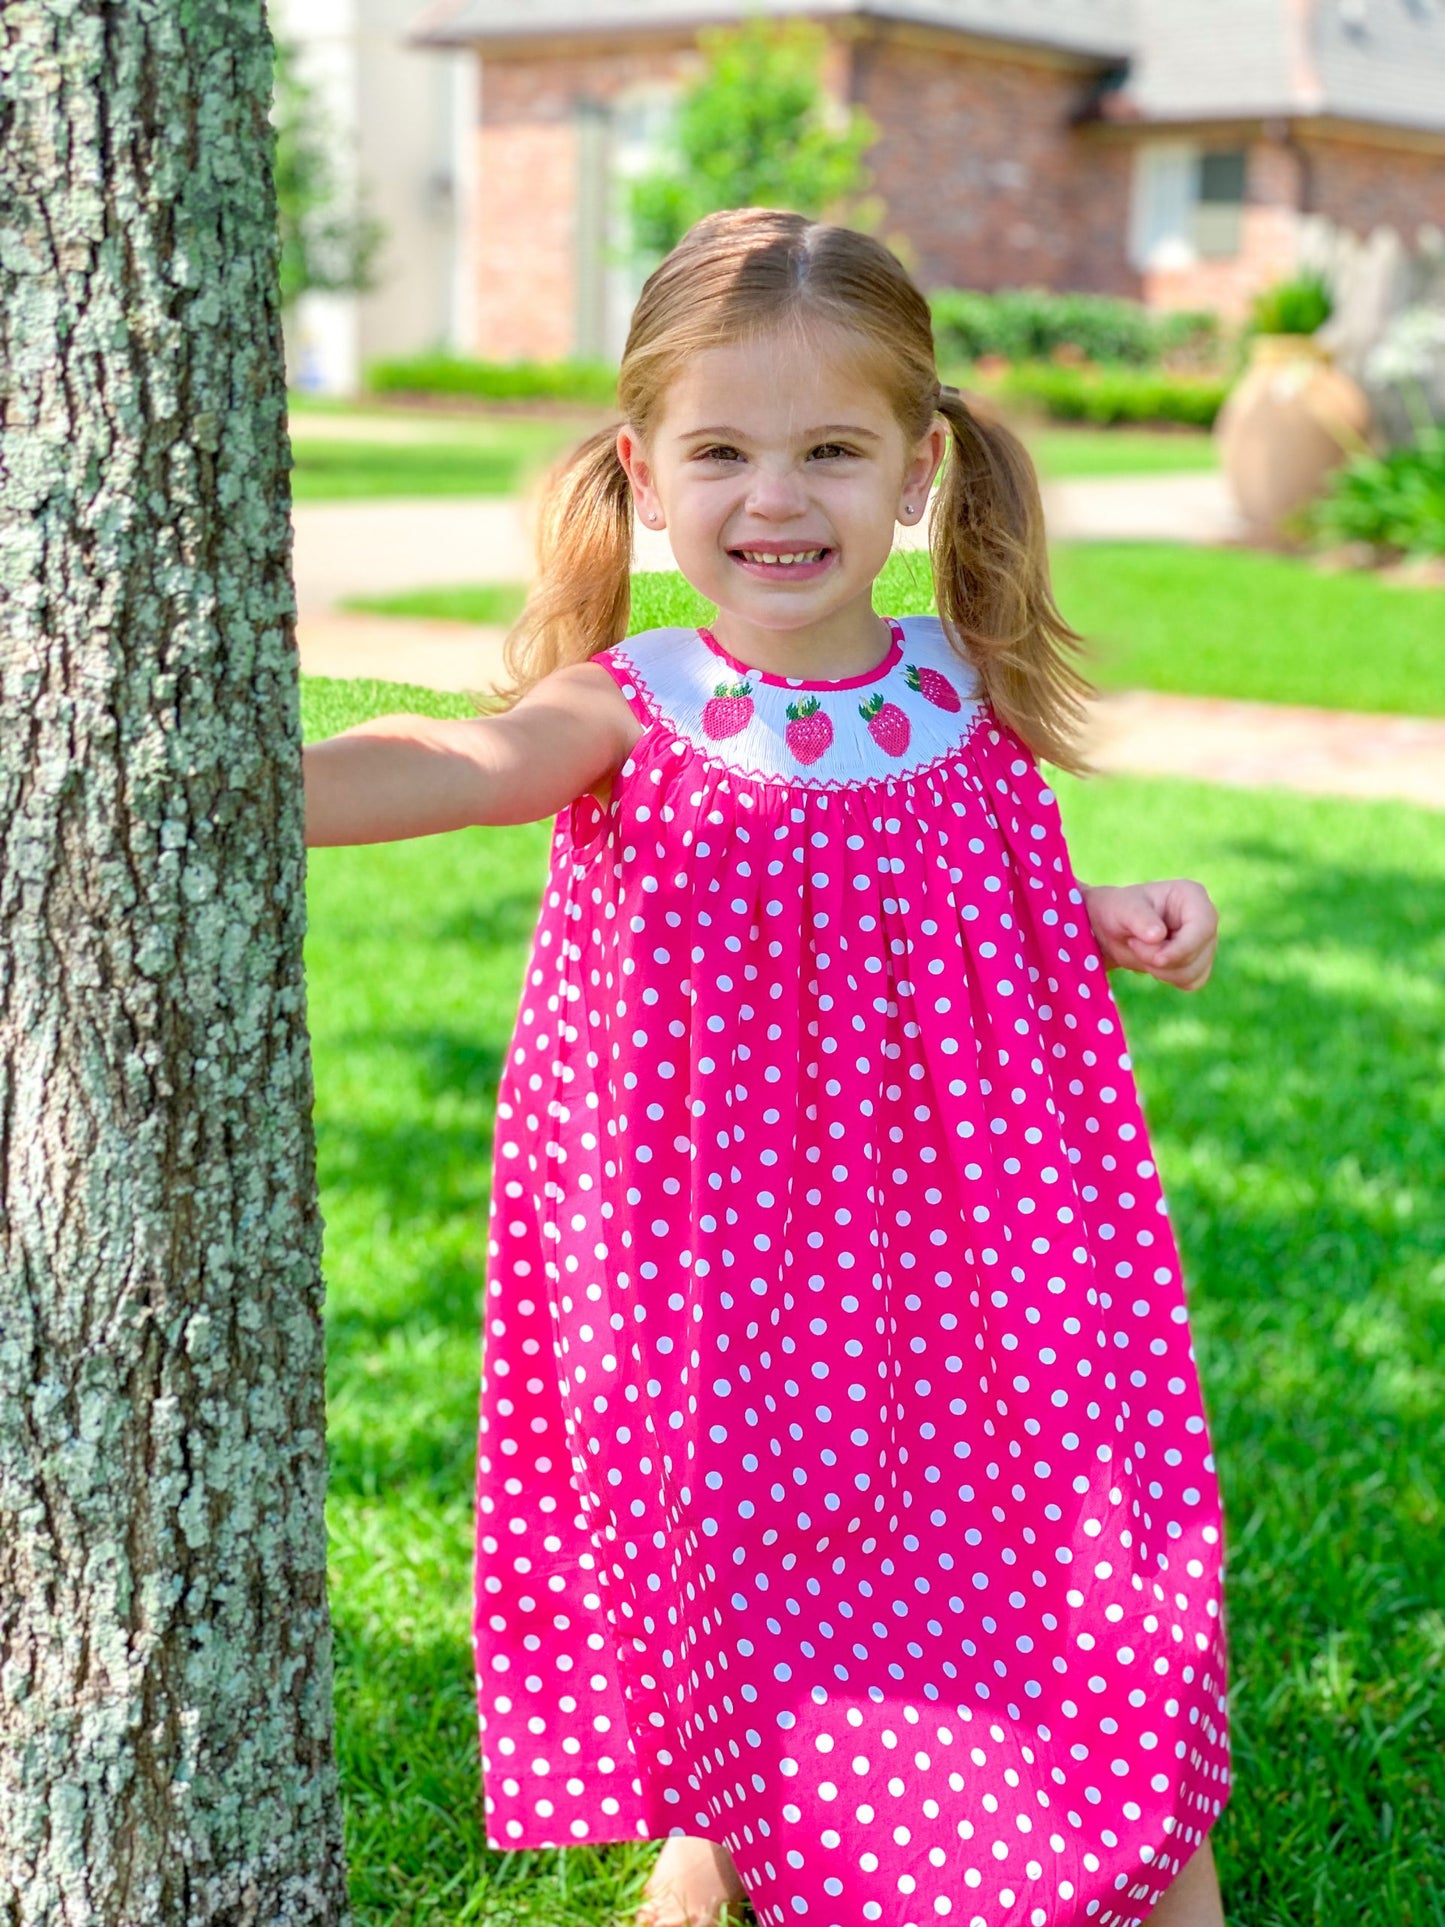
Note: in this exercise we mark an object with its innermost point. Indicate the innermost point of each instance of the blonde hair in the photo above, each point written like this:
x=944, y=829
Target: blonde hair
x=748, y=272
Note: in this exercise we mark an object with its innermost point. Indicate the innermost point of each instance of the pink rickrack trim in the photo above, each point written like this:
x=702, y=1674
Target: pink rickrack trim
x=633, y=682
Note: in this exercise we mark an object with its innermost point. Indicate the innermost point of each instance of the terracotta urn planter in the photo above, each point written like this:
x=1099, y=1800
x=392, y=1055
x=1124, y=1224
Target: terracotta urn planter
x=1292, y=418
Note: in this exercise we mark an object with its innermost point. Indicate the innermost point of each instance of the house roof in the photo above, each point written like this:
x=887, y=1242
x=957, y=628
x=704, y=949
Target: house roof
x=1380, y=61
x=1097, y=28
x=1364, y=60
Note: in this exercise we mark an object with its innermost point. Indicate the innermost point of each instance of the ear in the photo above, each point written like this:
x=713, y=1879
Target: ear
x=923, y=466
x=633, y=457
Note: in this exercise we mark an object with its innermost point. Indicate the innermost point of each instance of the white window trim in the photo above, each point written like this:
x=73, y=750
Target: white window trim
x=652, y=107
x=1162, y=201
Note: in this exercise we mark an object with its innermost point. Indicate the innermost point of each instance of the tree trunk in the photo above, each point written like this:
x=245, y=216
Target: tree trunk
x=165, y=1649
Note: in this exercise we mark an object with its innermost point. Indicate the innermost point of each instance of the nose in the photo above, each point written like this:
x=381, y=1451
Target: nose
x=776, y=494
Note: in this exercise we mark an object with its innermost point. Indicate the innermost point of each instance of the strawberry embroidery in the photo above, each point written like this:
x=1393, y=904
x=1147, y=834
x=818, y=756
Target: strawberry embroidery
x=809, y=731
x=887, y=725
x=729, y=709
x=933, y=687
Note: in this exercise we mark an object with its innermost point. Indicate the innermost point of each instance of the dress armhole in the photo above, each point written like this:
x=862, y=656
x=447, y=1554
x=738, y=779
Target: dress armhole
x=587, y=827
x=634, y=692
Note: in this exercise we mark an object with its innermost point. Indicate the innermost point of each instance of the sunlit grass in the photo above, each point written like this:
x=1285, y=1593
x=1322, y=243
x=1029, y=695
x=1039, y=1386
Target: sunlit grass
x=496, y=602
x=494, y=458
x=1078, y=454
x=1261, y=628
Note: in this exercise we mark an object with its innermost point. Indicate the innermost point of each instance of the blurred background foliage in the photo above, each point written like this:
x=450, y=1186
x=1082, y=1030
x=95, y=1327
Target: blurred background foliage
x=328, y=244
x=756, y=130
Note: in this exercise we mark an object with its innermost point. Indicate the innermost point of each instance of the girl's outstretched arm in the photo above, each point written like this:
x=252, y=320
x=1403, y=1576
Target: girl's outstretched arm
x=1168, y=930
x=402, y=776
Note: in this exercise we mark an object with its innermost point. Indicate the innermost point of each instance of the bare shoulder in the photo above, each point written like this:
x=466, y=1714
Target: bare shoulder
x=586, y=690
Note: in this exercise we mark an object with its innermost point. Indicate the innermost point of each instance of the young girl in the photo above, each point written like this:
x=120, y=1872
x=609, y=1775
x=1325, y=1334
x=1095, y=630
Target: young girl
x=845, y=1508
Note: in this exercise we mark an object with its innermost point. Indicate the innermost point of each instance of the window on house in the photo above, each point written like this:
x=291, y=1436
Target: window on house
x=1219, y=207
x=1188, y=204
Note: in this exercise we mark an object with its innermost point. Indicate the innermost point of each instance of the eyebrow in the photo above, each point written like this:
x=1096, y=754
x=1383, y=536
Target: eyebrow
x=724, y=433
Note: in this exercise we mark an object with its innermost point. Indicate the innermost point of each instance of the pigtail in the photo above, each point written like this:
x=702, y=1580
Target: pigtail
x=582, y=596
x=991, y=571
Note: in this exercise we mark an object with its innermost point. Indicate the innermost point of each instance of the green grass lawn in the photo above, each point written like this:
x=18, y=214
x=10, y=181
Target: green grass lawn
x=1068, y=454
x=1260, y=628
x=1298, y=1107
x=658, y=600
x=494, y=602
x=1199, y=622
x=489, y=458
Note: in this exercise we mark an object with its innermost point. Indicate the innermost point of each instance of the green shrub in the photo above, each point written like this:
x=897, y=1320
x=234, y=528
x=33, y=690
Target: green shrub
x=1029, y=324
x=1294, y=307
x=591, y=383
x=1108, y=396
x=1395, y=501
x=756, y=129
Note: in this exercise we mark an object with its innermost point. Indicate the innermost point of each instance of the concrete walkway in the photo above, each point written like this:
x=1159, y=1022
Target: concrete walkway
x=1319, y=752
x=377, y=548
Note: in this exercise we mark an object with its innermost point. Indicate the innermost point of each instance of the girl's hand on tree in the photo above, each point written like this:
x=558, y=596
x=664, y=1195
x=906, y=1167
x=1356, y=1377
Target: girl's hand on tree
x=1167, y=930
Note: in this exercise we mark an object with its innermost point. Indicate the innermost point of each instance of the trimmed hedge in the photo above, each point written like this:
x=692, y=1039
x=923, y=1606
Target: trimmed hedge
x=1109, y=396
x=1029, y=324
x=592, y=384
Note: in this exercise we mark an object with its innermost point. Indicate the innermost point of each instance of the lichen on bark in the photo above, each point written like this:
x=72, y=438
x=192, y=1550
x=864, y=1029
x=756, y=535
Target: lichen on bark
x=165, y=1649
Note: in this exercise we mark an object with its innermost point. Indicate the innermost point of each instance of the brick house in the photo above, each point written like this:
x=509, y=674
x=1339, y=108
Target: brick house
x=1163, y=149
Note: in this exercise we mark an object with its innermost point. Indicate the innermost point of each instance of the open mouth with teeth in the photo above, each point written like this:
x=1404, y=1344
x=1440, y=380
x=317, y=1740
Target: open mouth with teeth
x=796, y=564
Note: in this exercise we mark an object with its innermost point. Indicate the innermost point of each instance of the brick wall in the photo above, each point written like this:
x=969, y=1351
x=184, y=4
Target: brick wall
x=1100, y=177
x=1363, y=184
x=526, y=252
x=985, y=180
x=527, y=239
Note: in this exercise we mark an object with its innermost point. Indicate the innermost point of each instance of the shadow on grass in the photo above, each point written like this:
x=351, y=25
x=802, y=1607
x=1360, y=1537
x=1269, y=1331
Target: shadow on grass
x=509, y=919
x=434, y=1155
x=407, y=1744
x=406, y=1201
x=445, y=1062
x=1297, y=1111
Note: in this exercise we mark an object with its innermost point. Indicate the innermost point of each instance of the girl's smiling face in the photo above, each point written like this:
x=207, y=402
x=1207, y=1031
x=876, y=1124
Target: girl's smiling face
x=779, y=471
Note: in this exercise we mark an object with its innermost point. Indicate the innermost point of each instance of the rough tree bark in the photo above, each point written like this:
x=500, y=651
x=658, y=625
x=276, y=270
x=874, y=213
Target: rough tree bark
x=165, y=1651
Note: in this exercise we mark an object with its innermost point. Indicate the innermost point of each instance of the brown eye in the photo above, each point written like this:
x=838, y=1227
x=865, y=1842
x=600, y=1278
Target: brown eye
x=829, y=451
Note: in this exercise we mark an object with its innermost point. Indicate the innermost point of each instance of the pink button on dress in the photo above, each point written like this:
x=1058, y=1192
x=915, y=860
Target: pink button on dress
x=844, y=1492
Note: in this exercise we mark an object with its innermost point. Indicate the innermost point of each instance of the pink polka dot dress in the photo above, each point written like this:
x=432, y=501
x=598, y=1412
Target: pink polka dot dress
x=844, y=1492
